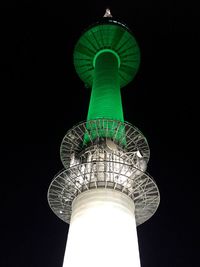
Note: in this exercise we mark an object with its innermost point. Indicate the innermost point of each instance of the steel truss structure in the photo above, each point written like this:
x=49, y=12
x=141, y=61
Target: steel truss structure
x=104, y=154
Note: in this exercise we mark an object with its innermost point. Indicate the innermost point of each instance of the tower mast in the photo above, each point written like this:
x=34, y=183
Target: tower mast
x=104, y=191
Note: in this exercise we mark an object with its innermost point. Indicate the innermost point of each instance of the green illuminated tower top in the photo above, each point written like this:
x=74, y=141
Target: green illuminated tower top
x=106, y=57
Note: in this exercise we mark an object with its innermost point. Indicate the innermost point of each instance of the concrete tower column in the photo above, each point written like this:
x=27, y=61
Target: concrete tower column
x=102, y=231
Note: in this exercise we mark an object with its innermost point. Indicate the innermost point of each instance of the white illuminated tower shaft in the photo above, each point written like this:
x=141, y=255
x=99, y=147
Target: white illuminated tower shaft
x=104, y=191
x=102, y=231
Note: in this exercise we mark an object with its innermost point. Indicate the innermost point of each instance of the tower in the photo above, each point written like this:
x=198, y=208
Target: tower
x=104, y=191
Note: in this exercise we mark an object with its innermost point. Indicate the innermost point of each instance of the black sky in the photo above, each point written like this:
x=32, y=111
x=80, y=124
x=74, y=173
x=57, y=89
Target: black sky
x=42, y=97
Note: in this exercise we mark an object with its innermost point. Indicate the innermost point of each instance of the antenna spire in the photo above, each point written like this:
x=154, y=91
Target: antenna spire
x=107, y=13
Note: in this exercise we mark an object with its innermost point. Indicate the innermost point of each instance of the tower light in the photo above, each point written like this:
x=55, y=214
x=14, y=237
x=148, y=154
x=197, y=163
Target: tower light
x=104, y=191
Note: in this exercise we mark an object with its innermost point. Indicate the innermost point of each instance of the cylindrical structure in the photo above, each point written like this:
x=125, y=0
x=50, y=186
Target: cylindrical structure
x=105, y=101
x=102, y=231
x=104, y=192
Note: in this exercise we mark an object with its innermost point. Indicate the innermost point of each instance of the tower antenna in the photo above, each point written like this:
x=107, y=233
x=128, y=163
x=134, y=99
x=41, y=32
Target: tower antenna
x=107, y=13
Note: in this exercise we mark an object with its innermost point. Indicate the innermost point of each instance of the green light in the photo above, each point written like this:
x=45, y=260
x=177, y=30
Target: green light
x=105, y=101
x=106, y=58
x=109, y=36
x=103, y=51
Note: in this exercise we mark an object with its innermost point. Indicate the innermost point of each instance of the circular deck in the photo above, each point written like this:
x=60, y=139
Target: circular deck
x=139, y=186
x=88, y=133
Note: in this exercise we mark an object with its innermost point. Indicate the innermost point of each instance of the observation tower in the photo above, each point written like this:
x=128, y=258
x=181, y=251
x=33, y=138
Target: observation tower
x=104, y=191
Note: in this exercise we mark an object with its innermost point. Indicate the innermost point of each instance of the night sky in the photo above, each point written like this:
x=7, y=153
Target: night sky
x=42, y=97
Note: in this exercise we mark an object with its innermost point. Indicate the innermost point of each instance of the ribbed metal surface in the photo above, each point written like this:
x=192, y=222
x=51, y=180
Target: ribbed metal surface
x=107, y=36
x=105, y=100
